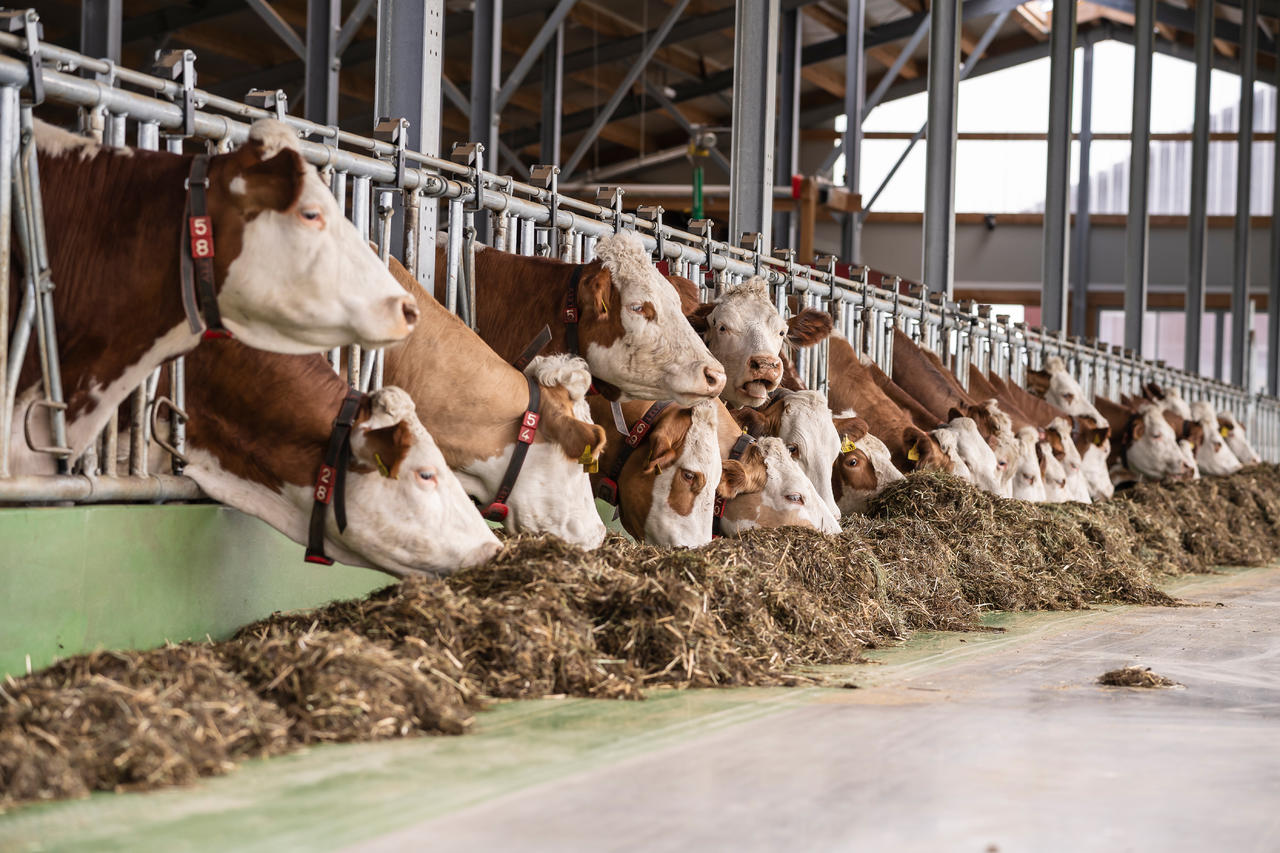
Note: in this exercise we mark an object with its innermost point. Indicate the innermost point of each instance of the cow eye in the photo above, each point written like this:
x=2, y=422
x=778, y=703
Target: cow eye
x=796, y=498
x=687, y=475
x=636, y=307
x=794, y=450
x=312, y=216
x=1068, y=397
x=427, y=475
x=852, y=461
x=722, y=327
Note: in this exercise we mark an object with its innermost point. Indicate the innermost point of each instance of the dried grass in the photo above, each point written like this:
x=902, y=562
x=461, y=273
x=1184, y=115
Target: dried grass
x=1135, y=676
x=545, y=618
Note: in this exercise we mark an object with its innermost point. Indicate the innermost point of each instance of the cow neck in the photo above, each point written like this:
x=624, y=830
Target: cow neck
x=717, y=514
x=528, y=431
x=331, y=479
x=607, y=490
x=570, y=314
x=199, y=287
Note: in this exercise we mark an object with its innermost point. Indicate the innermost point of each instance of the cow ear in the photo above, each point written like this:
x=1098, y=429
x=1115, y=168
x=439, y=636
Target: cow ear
x=688, y=292
x=809, y=327
x=916, y=444
x=665, y=439
x=700, y=317
x=271, y=184
x=382, y=450
x=1196, y=435
x=596, y=293
x=733, y=478
x=752, y=422
x=1038, y=382
x=580, y=440
x=854, y=429
x=1139, y=427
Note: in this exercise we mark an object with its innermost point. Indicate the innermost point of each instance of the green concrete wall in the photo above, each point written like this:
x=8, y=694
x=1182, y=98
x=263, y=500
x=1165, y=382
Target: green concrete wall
x=73, y=579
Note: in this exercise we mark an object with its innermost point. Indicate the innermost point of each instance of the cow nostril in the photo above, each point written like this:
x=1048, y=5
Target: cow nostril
x=410, y=310
x=714, y=377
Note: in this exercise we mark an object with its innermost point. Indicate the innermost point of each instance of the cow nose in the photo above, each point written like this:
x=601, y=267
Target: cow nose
x=481, y=555
x=409, y=308
x=765, y=362
x=714, y=377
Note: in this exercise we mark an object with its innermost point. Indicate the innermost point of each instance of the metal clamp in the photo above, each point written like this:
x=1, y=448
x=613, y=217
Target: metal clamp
x=396, y=132
x=26, y=23
x=653, y=213
x=180, y=65
x=611, y=198
x=155, y=421
x=753, y=241
x=269, y=99
x=547, y=177
x=471, y=155
x=52, y=449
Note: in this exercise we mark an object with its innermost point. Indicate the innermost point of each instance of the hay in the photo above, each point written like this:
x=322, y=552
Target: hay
x=547, y=619
x=1135, y=676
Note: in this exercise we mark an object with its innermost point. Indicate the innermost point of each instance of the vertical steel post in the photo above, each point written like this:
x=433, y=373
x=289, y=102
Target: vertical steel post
x=1244, y=182
x=940, y=153
x=1057, y=202
x=410, y=44
x=8, y=154
x=1080, y=286
x=755, y=80
x=552, y=98
x=1273, y=286
x=855, y=91
x=1197, y=222
x=100, y=29
x=787, y=155
x=1135, y=262
x=324, y=19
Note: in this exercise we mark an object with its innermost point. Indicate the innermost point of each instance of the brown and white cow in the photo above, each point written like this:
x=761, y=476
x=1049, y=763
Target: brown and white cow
x=472, y=402
x=864, y=467
x=291, y=273
x=1144, y=445
x=1233, y=431
x=802, y=419
x=856, y=385
x=1214, y=456
x=630, y=328
x=260, y=424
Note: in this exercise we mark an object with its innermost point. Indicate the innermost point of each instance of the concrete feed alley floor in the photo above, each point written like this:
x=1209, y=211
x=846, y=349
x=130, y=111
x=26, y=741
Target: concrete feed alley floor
x=965, y=742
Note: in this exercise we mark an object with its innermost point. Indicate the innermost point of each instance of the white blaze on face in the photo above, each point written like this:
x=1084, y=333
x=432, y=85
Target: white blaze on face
x=1054, y=476
x=1072, y=464
x=745, y=333
x=787, y=494
x=659, y=357
x=1236, y=439
x=1214, y=458
x=1027, y=483
x=698, y=459
x=978, y=456
x=305, y=280
x=1065, y=392
x=1155, y=453
x=812, y=440
x=1188, y=450
x=1096, y=474
x=949, y=442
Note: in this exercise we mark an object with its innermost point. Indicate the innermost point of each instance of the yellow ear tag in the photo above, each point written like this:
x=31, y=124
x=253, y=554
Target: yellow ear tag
x=604, y=308
x=382, y=466
x=847, y=445
x=1098, y=439
x=589, y=464
x=1225, y=432
x=914, y=454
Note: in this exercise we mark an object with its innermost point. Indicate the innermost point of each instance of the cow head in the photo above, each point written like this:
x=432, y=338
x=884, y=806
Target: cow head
x=1061, y=389
x=1213, y=456
x=1233, y=431
x=745, y=332
x=803, y=422
x=1028, y=483
x=553, y=492
x=1092, y=438
x=978, y=456
x=633, y=333
x=921, y=451
x=1058, y=434
x=406, y=512
x=1150, y=445
x=948, y=441
x=997, y=428
x=787, y=499
x=295, y=274
x=864, y=467
x=1053, y=474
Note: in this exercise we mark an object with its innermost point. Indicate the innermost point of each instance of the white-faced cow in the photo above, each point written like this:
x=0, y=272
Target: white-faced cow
x=290, y=273
x=1214, y=457
x=1233, y=431
x=260, y=425
x=1145, y=445
x=474, y=403
x=617, y=312
x=803, y=421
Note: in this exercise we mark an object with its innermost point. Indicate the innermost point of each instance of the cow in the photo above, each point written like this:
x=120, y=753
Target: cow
x=1053, y=474
x=746, y=334
x=864, y=468
x=854, y=386
x=1091, y=430
x=290, y=273
x=803, y=421
x=948, y=441
x=980, y=458
x=1214, y=457
x=1061, y=389
x=1233, y=431
x=258, y=431
x=617, y=312
x=1028, y=482
x=473, y=403
x=1144, y=445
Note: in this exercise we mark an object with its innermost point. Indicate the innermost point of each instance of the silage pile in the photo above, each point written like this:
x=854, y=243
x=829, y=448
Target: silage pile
x=544, y=619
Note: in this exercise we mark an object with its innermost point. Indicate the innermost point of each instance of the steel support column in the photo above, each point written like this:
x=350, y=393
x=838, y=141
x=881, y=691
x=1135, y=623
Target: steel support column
x=855, y=91
x=1080, y=280
x=1244, y=176
x=1135, y=262
x=324, y=19
x=1198, y=220
x=755, y=80
x=408, y=79
x=1273, y=286
x=100, y=29
x=486, y=58
x=552, y=98
x=787, y=155
x=940, y=154
x=1057, y=202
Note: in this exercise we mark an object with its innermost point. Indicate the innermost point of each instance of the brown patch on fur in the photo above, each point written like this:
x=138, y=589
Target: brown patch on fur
x=388, y=446
x=684, y=491
x=852, y=470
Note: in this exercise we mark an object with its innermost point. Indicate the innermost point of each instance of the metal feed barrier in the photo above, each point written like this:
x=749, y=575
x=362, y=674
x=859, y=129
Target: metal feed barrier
x=373, y=177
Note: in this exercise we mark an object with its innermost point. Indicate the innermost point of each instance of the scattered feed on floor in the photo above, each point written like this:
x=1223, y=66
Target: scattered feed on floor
x=1135, y=676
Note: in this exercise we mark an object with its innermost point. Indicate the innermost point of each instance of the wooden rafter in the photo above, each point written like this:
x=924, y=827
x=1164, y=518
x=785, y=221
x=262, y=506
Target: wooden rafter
x=1032, y=22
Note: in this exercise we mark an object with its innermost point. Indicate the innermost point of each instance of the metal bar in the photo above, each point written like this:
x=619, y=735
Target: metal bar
x=1080, y=285
x=322, y=60
x=1244, y=175
x=1057, y=204
x=787, y=154
x=940, y=158
x=8, y=153
x=279, y=26
x=606, y=112
x=352, y=25
x=486, y=74
x=75, y=487
x=1135, y=265
x=688, y=126
x=1198, y=220
x=100, y=22
x=755, y=80
x=855, y=88
x=550, y=27
x=900, y=61
x=552, y=99
x=1273, y=286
